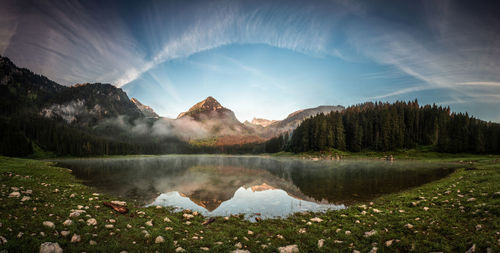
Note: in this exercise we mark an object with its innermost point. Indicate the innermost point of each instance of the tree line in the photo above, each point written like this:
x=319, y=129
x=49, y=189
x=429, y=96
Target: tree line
x=387, y=127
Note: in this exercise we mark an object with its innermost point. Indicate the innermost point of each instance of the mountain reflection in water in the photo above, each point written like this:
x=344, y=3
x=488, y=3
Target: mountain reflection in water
x=252, y=201
x=225, y=185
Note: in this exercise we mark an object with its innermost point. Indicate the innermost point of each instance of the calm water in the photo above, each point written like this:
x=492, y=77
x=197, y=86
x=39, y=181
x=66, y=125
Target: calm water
x=251, y=185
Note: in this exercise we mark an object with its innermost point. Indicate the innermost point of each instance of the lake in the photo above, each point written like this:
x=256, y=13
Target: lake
x=219, y=185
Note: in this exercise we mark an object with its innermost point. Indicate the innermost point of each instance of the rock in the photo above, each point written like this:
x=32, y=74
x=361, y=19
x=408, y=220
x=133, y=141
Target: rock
x=67, y=222
x=302, y=231
x=179, y=249
x=129, y=226
x=471, y=199
x=91, y=222
x=373, y=250
x=204, y=248
x=76, y=238
x=25, y=198
x=347, y=232
x=356, y=251
x=280, y=237
x=49, y=224
x=50, y=247
x=370, y=233
x=109, y=226
x=20, y=234
x=92, y=242
x=316, y=219
x=289, y=249
x=240, y=251
x=321, y=242
x=159, y=239
x=426, y=208
x=3, y=240
x=167, y=219
x=409, y=226
x=149, y=223
x=65, y=233
x=388, y=243
x=76, y=213
x=472, y=249
x=118, y=208
x=169, y=228
x=208, y=221
x=187, y=216
x=375, y=210
x=14, y=195
x=238, y=245
x=250, y=232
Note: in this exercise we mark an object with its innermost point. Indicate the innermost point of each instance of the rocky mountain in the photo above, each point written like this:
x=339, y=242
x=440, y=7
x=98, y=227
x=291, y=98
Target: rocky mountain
x=147, y=111
x=24, y=92
x=262, y=122
x=294, y=119
x=87, y=104
x=219, y=120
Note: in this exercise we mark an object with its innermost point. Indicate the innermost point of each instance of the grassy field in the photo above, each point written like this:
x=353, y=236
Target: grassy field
x=454, y=214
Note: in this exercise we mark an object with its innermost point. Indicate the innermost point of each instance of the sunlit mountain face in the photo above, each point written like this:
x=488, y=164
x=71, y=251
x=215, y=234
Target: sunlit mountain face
x=258, y=55
x=250, y=185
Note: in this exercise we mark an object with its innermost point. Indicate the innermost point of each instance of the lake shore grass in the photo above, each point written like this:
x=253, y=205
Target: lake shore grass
x=454, y=214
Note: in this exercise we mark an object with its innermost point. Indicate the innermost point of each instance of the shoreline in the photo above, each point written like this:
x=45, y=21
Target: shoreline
x=360, y=227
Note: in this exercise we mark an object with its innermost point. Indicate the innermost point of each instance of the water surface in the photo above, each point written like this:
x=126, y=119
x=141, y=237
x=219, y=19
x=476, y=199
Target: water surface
x=251, y=185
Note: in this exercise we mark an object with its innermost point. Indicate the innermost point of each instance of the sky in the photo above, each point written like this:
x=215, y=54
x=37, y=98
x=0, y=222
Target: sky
x=265, y=59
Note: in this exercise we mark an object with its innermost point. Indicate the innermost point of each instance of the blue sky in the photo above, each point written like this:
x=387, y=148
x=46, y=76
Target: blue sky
x=265, y=58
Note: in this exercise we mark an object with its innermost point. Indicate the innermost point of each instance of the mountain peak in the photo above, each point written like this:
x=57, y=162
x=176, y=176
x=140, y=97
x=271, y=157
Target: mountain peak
x=146, y=110
x=209, y=104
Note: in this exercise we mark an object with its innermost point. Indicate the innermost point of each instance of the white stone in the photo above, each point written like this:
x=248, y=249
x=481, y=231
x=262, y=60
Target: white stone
x=159, y=239
x=120, y=203
x=14, y=195
x=91, y=222
x=316, y=219
x=50, y=247
x=75, y=238
x=289, y=249
x=67, y=222
x=187, y=216
x=321, y=242
x=49, y=224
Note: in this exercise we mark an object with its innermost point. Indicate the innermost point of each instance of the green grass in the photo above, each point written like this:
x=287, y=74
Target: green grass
x=457, y=205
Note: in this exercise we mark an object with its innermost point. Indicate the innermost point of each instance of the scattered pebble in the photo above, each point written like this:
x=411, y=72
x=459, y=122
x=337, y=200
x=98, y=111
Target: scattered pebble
x=289, y=249
x=50, y=247
x=321, y=242
x=316, y=219
x=159, y=239
x=75, y=238
x=91, y=222
x=67, y=222
x=49, y=224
